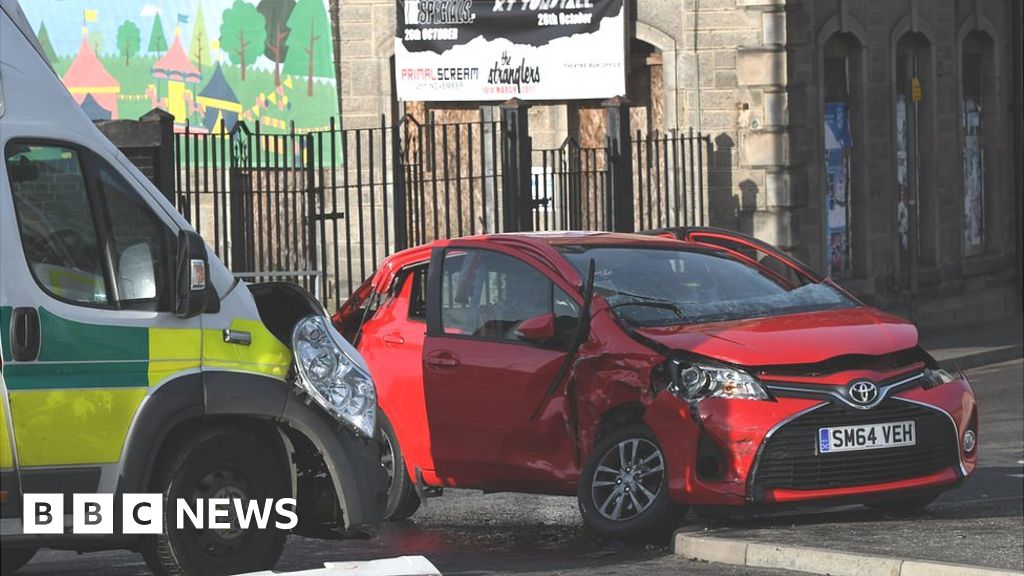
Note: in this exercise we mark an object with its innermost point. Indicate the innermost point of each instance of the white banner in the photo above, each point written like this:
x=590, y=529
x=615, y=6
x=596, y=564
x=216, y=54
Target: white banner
x=473, y=50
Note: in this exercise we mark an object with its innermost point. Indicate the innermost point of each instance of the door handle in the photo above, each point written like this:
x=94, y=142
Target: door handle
x=25, y=336
x=443, y=360
x=393, y=339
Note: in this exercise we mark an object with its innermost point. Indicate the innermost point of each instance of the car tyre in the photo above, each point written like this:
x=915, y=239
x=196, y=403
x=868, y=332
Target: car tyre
x=218, y=463
x=623, y=488
x=14, y=559
x=402, y=498
x=903, y=506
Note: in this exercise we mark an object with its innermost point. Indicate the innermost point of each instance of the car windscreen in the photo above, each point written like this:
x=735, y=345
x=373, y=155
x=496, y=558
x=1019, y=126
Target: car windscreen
x=664, y=286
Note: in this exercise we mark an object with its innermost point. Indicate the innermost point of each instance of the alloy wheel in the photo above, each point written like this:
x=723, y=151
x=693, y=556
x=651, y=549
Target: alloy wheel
x=628, y=479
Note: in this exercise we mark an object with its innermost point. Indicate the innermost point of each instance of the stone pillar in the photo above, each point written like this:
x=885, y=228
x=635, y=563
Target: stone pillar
x=762, y=73
x=367, y=31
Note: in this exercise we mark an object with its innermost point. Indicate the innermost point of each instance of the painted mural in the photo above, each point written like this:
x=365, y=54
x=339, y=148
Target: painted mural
x=210, y=63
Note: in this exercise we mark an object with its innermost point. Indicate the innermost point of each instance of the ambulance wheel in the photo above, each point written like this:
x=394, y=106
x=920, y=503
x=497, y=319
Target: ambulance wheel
x=14, y=559
x=218, y=463
x=402, y=499
x=623, y=488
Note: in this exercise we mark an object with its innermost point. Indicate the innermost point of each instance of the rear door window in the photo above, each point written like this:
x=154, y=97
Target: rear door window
x=418, y=294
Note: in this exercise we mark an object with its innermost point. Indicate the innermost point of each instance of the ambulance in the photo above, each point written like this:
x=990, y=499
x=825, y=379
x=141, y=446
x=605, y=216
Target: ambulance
x=134, y=363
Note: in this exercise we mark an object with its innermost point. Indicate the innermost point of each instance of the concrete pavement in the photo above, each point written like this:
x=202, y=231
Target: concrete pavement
x=976, y=345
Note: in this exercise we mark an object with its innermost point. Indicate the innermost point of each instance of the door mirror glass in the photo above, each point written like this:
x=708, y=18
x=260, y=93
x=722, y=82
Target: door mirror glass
x=191, y=297
x=537, y=329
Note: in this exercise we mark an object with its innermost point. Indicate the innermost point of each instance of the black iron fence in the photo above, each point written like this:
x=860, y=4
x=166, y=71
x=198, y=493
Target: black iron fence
x=324, y=208
x=670, y=179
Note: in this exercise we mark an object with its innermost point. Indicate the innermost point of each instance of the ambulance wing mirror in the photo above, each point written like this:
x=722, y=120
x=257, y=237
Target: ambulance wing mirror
x=191, y=295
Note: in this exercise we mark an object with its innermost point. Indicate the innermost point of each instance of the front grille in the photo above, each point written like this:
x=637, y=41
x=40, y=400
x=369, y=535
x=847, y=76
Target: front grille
x=789, y=458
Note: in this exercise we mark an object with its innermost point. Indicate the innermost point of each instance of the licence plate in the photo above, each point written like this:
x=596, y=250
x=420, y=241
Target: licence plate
x=866, y=437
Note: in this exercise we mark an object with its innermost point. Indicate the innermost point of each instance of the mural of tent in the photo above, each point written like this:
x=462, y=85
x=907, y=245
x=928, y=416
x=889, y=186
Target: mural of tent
x=176, y=68
x=221, y=105
x=93, y=110
x=87, y=78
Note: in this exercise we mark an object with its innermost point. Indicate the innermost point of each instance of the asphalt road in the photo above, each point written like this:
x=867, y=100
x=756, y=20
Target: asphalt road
x=468, y=533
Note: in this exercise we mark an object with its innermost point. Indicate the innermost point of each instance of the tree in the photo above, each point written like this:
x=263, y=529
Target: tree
x=199, y=48
x=96, y=41
x=309, y=43
x=242, y=27
x=276, y=13
x=44, y=41
x=157, y=42
x=128, y=40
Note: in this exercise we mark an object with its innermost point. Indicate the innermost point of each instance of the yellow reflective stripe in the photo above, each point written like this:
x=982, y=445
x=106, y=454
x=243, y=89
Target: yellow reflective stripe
x=172, y=350
x=265, y=355
x=81, y=426
x=6, y=455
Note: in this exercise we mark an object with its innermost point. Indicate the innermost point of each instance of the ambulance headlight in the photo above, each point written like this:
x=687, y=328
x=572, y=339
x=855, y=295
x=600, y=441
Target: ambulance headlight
x=334, y=374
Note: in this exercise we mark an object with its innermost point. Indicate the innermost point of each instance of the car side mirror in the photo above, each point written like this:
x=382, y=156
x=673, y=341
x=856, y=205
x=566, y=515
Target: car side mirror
x=191, y=297
x=537, y=328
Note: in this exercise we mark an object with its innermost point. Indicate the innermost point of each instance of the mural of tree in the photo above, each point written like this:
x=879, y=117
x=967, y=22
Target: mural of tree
x=242, y=27
x=309, y=43
x=128, y=40
x=157, y=42
x=44, y=41
x=276, y=13
x=96, y=41
x=199, y=49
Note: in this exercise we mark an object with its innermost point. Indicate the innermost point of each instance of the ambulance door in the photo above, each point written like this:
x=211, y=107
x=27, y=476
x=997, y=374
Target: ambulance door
x=87, y=284
x=10, y=492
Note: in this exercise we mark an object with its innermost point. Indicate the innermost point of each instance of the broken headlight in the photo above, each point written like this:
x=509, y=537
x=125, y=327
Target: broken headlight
x=334, y=374
x=696, y=381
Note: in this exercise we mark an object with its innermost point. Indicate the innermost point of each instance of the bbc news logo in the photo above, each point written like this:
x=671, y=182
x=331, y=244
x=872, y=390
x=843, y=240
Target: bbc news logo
x=144, y=514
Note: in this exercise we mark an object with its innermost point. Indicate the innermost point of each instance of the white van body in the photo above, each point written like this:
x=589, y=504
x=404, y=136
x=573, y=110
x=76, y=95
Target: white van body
x=106, y=373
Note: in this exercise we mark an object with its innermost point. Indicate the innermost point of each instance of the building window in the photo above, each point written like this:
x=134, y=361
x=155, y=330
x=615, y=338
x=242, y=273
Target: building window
x=976, y=57
x=840, y=62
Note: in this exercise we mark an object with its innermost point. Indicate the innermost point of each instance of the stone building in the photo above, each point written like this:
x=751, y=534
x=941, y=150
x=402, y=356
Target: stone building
x=877, y=140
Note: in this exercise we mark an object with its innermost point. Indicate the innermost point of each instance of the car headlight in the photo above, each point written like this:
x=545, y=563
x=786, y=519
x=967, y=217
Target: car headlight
x=936, y=377
x=334, y=374
x=696, y=381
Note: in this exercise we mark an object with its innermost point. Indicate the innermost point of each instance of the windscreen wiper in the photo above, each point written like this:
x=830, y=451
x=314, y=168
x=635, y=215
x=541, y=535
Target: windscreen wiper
x=650, y=302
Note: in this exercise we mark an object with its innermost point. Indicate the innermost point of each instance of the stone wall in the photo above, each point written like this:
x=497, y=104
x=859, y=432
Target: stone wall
x=880, y=271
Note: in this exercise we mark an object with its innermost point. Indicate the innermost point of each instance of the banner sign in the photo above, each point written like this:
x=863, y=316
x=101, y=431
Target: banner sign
x=475, y=50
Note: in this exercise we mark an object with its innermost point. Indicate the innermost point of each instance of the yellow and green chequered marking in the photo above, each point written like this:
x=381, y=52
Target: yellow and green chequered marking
x=74, y=405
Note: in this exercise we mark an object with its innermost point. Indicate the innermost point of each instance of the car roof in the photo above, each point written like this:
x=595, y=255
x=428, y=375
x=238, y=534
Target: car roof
x=540, y=245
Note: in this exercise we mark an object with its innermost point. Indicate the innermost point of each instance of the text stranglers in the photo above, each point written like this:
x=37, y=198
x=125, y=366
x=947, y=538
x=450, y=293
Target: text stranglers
x=505, y=72
x=445, y=12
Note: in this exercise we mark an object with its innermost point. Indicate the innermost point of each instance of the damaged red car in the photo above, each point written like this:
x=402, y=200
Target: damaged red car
x=646, y=374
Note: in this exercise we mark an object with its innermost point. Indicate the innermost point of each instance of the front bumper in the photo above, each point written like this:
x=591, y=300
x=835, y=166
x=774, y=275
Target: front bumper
x=743, y=452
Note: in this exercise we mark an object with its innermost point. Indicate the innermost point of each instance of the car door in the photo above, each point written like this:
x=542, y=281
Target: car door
x=392, y=344
x=86, y=302
x=755, y=251
x=491, y=422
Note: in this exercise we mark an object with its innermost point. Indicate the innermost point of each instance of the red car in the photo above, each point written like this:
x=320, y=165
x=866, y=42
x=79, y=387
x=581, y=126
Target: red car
x=644, y=374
